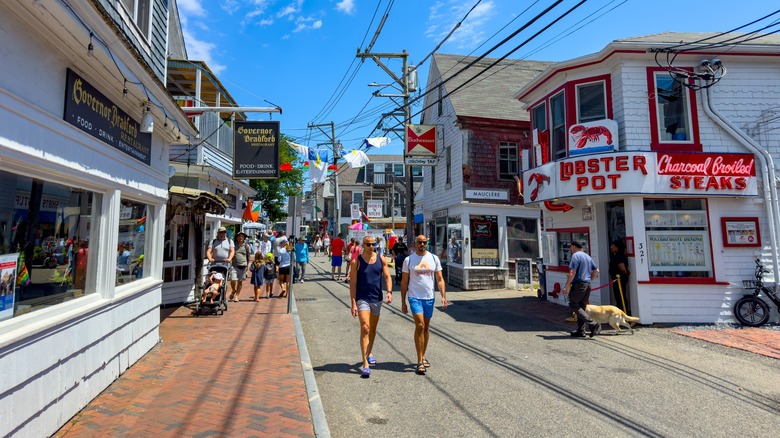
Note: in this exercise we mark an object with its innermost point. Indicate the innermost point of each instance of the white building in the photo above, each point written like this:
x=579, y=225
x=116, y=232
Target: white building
x=77, y=166
x=641, y=149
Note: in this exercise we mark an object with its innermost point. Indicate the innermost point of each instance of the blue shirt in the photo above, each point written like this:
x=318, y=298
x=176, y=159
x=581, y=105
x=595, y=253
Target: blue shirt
x=583, y=264
x=369, y=280
x=301, y=252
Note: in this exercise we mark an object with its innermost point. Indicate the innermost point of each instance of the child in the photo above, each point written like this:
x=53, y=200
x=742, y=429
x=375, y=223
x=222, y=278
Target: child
x=213, y=290
x=269, y=274
x=258, y=269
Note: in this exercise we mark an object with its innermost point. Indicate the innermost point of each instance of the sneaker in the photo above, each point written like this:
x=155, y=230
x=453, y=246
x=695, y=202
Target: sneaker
x=595, y=329
x=577, y=334
x=365, y=373
x=301, y=280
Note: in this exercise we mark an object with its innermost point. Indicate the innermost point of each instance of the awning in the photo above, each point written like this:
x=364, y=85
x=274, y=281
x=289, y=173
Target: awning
x=203, y=201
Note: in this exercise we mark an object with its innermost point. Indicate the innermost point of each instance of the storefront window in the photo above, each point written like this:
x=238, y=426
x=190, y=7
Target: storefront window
x=677, y=238
x=44, y=242
x=132, y=242
x=176, y=252
x=564, y=240
x=484, y=240
x=522, y=238
x=454, y=248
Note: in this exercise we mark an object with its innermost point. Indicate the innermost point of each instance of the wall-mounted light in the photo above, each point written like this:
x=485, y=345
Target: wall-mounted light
x=225, y=190
x=147, y=121
x=124, y=90
x=587, y=201
x=90, y=47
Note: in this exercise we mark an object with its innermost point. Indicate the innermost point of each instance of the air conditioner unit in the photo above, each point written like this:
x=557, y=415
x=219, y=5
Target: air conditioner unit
x=396, y=211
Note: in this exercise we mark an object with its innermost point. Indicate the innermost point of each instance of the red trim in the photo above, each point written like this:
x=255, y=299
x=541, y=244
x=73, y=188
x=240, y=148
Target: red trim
x=726, y=243
x=560, y=268
x=608, y=55
x=695, y=280
x=630, y=246
x=655, y=141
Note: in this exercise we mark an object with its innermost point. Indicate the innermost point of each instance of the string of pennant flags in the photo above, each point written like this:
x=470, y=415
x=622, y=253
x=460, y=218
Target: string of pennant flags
x=317, y=161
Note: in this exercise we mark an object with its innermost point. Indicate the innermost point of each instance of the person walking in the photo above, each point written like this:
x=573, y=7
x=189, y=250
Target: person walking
x=365, y=290
x=582, y=270
x=269, y=275
x=241, y=257
x=257, y=277
x=317, y=245
x=285, y=264
x=221, y=249
x=336, y=252
x=264, y=246
x=419, y=271
x=353, y=254
x=301, y=258
x=326, y=244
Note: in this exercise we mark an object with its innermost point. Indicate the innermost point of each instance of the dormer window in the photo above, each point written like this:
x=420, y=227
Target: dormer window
x=673, y=115
x=591, y=102
x=140, y=12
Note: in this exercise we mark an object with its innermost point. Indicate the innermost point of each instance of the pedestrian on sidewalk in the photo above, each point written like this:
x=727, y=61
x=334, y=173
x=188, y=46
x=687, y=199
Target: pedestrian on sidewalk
x=265, y=246
x=301, y=258
x=285, y=265
x=365, y=289
x=257, y=269
x=317, y=245
x=241, y=258
x=326, y=244
x=351, y=253
x=269, y=274
x=419, y=271
x=582, y=270
x=336, y=251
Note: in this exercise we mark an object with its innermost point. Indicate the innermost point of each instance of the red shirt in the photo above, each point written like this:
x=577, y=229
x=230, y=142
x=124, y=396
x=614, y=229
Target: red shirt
x=337, y=247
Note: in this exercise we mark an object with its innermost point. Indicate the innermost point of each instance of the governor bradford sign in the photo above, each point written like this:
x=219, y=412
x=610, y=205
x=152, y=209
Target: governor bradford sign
x=256, y=150
x=89, y=110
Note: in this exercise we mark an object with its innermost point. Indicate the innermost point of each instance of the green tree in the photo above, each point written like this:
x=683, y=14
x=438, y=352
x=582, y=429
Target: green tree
x=273, y=193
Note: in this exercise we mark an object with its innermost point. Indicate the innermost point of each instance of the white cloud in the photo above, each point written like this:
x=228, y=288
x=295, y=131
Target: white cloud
x=302, y=23
x=191, y=7
x=291, y=9
x=346, y=6
x=202, y=51
x=444, y=15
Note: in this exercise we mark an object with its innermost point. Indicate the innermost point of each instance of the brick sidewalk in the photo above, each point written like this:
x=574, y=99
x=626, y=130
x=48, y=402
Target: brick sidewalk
x=238, y=374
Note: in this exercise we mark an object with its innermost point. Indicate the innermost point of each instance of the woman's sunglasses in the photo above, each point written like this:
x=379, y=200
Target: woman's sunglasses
x=369, y=244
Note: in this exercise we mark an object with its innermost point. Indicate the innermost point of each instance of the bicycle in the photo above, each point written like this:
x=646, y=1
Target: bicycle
x=750, y=310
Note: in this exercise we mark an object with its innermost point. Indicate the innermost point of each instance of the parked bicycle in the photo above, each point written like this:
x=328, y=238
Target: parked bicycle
x=751, y=310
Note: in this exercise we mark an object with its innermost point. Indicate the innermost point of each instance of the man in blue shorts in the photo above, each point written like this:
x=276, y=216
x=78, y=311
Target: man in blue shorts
x=418, y=273
x=337, y=252
x=365, y=289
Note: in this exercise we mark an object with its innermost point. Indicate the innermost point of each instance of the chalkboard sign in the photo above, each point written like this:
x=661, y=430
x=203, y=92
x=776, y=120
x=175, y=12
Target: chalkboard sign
x=523, y=271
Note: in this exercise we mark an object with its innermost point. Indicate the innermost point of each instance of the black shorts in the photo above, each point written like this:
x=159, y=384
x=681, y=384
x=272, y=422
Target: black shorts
x=284, y=270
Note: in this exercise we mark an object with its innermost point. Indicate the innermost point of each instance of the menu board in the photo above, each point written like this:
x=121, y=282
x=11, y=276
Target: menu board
x=678, y=251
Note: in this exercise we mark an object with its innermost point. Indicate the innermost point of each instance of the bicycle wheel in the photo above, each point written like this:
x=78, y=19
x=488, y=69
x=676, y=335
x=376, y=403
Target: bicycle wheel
x=751, y=311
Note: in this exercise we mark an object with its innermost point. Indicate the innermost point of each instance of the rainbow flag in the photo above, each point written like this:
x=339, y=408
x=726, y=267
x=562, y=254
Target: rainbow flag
x=306, y=165
x=22, y=274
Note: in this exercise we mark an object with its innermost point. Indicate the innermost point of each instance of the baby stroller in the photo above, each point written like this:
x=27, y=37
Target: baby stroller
x=399, y=264
x=219, y=306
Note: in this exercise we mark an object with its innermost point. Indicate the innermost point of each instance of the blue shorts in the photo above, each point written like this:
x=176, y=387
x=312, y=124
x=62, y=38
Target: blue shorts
x=422, y=306
x=335, y=261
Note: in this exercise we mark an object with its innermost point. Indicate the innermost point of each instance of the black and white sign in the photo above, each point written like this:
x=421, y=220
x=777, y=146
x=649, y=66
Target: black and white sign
x=256, y=150
x=487, y=194
x=523, y=271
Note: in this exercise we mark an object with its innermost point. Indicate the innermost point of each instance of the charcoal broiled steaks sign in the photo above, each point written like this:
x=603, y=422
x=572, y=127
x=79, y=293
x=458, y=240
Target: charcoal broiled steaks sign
x=89, y=110
x=256, y=150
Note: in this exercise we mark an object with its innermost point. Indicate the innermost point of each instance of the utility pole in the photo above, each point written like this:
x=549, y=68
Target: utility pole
x=403, y=81
x=336, y=156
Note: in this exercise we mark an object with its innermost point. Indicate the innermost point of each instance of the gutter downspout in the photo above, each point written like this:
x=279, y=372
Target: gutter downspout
x=767, y=171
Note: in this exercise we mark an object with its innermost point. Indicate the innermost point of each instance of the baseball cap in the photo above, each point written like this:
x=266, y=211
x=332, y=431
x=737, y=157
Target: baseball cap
x=218, y=276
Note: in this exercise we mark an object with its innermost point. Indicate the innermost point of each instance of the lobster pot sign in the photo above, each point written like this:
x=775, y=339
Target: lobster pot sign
x=593, y=137
x=256, y=150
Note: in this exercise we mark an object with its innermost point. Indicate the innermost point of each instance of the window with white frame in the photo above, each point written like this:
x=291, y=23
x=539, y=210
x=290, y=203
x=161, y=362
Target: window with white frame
x=672, y=109
x=132, y=242
x=557, y=127
x=140, y=11
x=357, y=198
x=522, y=237
x=539, y=116
x=508, y=160
x=417, y=171
x=45, y=238
x=398, y=169
x=591, y=102
x=678, y=244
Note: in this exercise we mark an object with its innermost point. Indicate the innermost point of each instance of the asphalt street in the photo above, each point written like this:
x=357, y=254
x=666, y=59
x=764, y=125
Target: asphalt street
x=498, y=369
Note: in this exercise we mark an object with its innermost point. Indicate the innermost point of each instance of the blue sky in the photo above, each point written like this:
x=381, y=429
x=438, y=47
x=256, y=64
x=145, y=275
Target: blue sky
x=300, y=54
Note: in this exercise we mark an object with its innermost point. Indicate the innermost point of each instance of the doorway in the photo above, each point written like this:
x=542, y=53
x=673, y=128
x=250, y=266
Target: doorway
x=616, y=233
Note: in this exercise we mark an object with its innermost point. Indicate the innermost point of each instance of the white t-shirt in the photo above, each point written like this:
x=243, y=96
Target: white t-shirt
x=422, y=271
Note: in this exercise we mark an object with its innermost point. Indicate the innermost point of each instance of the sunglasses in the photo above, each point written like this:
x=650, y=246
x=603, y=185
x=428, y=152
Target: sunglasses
x=421, y=241
x=369, y=244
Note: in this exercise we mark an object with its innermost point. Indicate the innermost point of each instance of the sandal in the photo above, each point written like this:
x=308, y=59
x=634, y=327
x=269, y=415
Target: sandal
x=365, y=373
x=371, y=360
x=425, y=363
x=420, y=369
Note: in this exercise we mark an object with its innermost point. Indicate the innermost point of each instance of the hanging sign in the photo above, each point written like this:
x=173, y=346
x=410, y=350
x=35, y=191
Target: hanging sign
x=9, y=273
x=256, y=150
x=420, y=140
x=89, y=110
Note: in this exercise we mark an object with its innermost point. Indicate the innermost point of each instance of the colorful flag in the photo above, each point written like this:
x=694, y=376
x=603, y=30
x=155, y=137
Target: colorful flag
x=356, y=158
x=306, y=165
x=301, y=149
x=318, y=172
x=376, y=142
x=22, y=274
x=249, y=213
x=285, y=166
x=332, y=168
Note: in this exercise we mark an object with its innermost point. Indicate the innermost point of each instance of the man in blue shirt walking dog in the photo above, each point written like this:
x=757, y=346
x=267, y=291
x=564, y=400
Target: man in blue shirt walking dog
x=582, y=270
